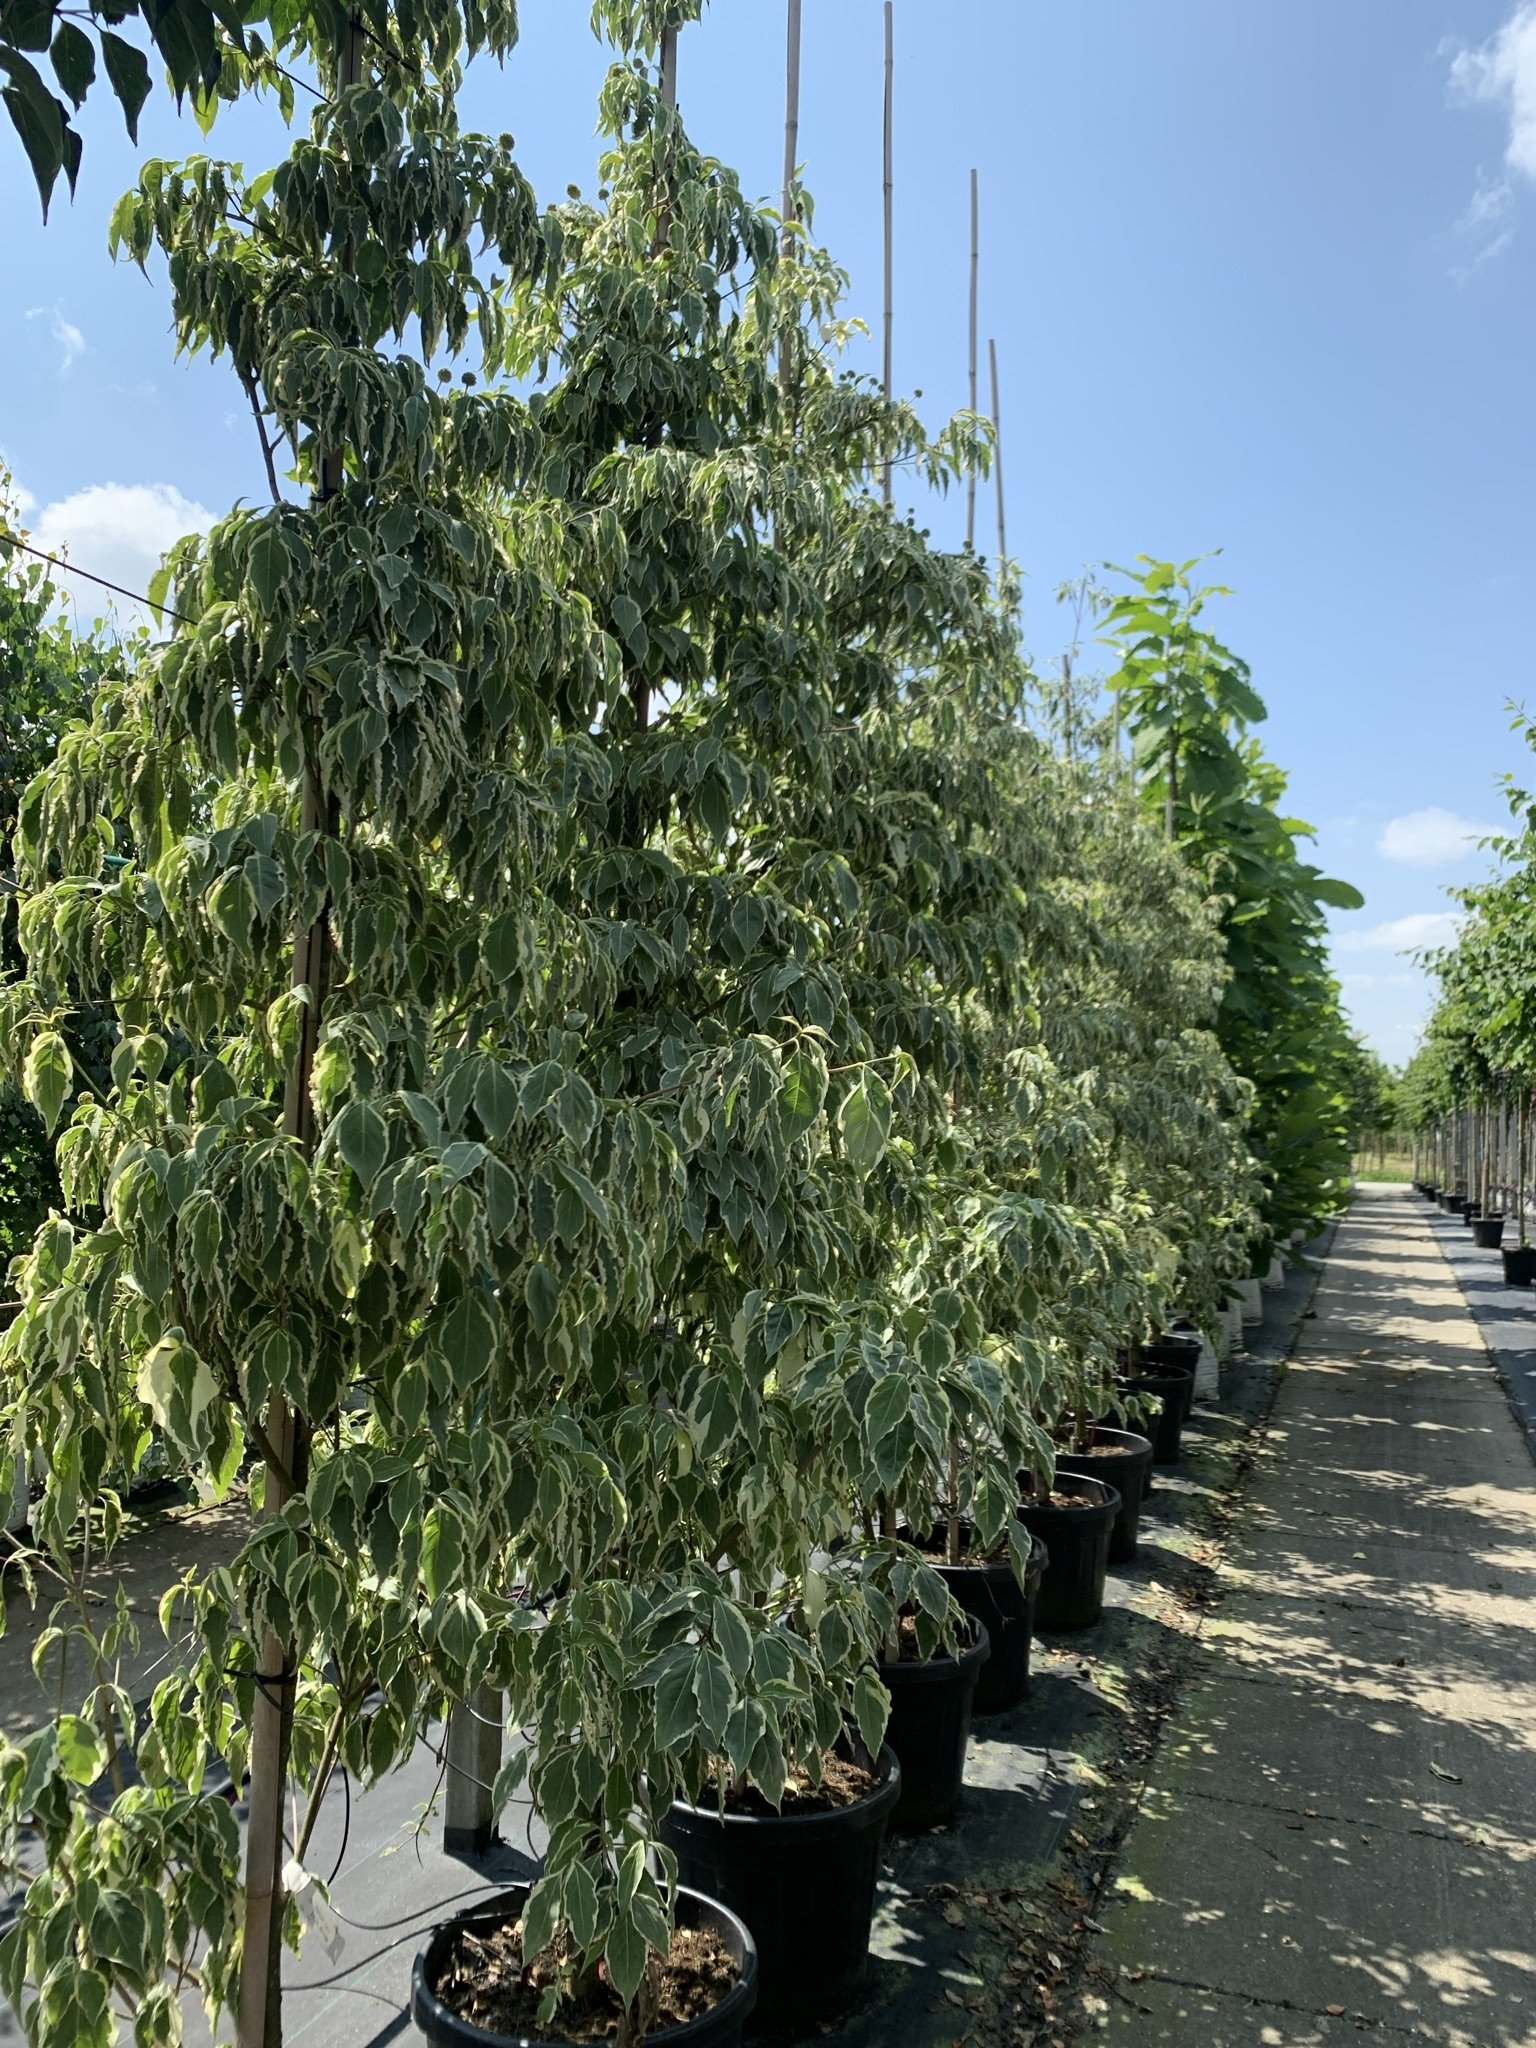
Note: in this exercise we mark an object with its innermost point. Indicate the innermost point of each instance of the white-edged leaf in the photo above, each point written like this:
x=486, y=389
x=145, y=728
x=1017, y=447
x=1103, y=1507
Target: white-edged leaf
x=46, y=1076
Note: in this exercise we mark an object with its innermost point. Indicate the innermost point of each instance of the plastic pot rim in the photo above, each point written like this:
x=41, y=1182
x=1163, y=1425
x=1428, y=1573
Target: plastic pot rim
x=944, y=1667
x=873, y=1806
x=739, y=2000
x=1108, y=1505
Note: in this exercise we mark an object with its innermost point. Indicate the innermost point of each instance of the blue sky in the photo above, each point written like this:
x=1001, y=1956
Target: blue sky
x=1261, y=277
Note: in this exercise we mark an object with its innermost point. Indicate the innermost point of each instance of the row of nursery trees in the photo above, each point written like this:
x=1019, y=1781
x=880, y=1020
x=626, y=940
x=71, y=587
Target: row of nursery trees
x=1466, y=1094
x=596, y=1063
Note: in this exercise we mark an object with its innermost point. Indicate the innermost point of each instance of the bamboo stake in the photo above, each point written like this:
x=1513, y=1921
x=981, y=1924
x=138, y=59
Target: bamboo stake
x=970, y=482
x=791, y=121
x=259, y=2022
x=997, y=457
x=890, y=254
x=639, y=689
x=788, y=213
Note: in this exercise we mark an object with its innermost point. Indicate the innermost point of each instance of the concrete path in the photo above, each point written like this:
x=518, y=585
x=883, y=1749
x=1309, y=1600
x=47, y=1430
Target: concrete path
x=1339, y=1834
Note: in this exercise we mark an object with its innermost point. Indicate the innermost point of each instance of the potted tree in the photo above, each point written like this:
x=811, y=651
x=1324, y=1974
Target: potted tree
x=400, y=1224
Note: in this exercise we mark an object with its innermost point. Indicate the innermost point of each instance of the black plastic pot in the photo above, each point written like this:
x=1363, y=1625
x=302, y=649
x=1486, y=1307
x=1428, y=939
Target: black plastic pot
x=1470, y=1211
x=1488, y=1233
x=1175, y=1350
x=1453, y=1204
x=1127, y=1467
x=1175, y=1390
x=1519, y=1264
x=1175, y=1354
x=929, y=1729
x=1006, y=1610
x=720, y=2027
x=1072, y=1591
x=804, y=1883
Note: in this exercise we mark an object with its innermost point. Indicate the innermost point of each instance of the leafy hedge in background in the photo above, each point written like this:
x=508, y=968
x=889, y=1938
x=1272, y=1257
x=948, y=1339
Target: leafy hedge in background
x=1479, y=1046
x=46, y=679
x=1190, y=707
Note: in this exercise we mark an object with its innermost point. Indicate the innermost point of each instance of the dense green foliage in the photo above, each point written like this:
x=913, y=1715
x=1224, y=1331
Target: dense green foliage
x=208, y=51
x=1190, y=706
x=759, y=1084
x=1373, y=1102
x=1467, y=1090
x=46, y=676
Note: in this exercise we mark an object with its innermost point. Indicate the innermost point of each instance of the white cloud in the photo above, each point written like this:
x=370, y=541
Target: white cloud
x=116, y=531
x=1431, y=838
x=71, y=341
x=1487, y=225
x=1500, y=73
x=1402, y=934
x=1355, y=982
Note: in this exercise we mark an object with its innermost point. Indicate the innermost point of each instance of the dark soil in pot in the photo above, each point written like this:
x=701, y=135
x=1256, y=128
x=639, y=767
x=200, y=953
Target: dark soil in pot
x=802, y=1879
x=1488, y=1233
x=1519, y=1264
x=989, y=1592
x=1075, y=1525
x=1176, y=1392
x=930, y=1728
x=470, y=1989
x=1125, y=1460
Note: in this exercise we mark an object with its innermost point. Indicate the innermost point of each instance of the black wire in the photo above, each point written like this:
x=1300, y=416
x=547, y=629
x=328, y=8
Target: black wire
x=293, y=78
x=346, y=1826
x=426, y=1915
x=57, y=562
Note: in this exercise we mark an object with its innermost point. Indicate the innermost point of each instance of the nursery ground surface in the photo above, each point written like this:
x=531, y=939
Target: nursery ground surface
x=1505, y=1316
x=985, y=1929
x=1336, y=1836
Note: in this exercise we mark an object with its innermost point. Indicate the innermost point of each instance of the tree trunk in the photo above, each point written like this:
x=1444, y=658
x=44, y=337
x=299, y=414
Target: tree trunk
x=260, y=2018
x=1171, y=809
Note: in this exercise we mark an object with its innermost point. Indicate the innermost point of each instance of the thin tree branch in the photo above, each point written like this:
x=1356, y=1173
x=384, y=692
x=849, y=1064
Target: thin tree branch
x=249, y=383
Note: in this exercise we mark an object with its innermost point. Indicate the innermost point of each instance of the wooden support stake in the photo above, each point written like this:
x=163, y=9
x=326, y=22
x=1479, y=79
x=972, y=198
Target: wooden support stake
x=970, y=482
x=473, y=1759
x=890, y=264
